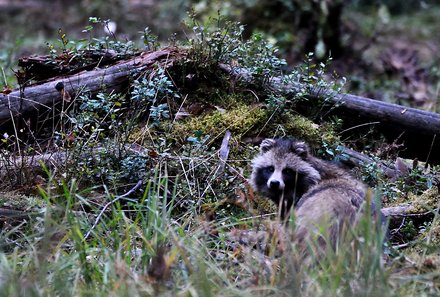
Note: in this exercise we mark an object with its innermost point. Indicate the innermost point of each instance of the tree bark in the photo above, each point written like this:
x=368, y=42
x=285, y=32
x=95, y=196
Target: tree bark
x=352, y=158
x=113, y=78
x=417, y=129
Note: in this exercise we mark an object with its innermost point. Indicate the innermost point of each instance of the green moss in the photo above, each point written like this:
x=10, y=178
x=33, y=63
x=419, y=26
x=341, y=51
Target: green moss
x=431, y=235
x=220, y=98
x=309, y=131
x=264, y=205
x=15, y=200
x=303, y=128
x=424, y=253
x=427, y=201
x=239, y=120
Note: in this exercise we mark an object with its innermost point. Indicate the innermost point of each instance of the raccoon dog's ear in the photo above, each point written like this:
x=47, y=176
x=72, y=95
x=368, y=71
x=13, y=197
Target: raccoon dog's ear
x=300, y=148
x=266, y=145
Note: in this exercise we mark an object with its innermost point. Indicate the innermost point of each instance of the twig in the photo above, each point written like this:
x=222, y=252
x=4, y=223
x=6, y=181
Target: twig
x=358, y=126
x=12, y=214
x=430, y=150
x=401, y=246
x=394, y=231
x=139, y=183
x=353, y=158
x=402, y=211
x=224, y=151
x=258, y=216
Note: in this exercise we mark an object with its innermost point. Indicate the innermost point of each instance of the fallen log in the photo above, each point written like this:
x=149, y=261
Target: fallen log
x=417, y=129
x=352, y=158
x=113, y=78
x=7, y=214
x=396, y=211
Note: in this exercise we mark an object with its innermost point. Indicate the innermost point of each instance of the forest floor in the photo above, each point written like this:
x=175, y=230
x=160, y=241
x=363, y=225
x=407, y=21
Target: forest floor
x=144, y=193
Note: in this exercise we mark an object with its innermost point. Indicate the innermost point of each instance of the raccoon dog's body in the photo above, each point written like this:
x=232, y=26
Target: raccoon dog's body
x=323, y=193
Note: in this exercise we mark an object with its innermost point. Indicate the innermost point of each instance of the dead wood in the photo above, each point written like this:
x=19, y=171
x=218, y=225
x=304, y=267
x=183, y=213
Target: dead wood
x=405, y=211
x=33, y=162
x=396, y=211
x=224, y=151
x=57, y=159
x=12, y=215
x=39, y=68
x=352, y=158
x=113, y=78
x=417, y=129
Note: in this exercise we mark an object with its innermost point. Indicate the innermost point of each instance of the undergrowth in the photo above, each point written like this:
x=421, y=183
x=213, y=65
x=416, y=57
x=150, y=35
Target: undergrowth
x=141, y=198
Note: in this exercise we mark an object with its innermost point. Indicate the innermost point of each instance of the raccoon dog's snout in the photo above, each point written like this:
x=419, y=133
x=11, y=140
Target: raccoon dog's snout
x=274, y=185
x=275, y=182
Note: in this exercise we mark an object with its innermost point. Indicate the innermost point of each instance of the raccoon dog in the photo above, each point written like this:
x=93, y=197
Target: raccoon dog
x=322, y=192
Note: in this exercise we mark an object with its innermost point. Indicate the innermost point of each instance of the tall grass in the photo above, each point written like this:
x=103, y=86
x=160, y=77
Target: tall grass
x=141, y=244
x=169, y=234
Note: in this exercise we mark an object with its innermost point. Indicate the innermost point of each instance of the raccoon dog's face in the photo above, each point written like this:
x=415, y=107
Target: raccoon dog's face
x=282, y=171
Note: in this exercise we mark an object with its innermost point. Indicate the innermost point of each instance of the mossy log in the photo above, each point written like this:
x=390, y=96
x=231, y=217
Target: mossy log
x=417, y=129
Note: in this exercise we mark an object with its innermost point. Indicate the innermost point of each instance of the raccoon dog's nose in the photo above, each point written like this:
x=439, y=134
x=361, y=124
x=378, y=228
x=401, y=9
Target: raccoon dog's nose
x=274, y=184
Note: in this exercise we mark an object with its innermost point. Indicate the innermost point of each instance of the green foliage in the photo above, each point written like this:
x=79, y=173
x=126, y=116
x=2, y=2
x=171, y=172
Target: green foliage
x=258, y=56
x=154, y=92
x=416, y=181
x=95, y=129
x=96, y=112
x=149, y=39
x=134, y=168
x=92, y=253
x=372, y=173
x=215, y=42
x=173, y=232
x=311, y=75
x=221, y=41
x=409, y=230
x=146, y=252
x=120, y=48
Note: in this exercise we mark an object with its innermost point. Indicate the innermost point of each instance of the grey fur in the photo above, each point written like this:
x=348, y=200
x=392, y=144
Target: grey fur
x=330, y=196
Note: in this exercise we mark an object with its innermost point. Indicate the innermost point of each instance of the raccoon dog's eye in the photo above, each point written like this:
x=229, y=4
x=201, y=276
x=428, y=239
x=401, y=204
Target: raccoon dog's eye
x=269, y=169
x=288, y=171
